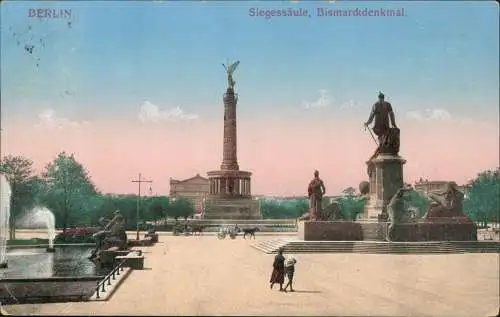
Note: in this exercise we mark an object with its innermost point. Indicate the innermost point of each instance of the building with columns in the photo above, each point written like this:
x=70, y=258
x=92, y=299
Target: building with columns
x=195, y=189
x=230, y=194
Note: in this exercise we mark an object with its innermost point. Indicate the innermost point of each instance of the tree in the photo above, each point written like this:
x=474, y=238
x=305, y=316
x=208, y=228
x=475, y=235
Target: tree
x=351, y=207
x=24, y=186
x=68, y=185
x=158, y=208
x=91, y=209
x=127, y=204
x=349, y=191
x=483, y=198
x=283, y=209
x=180, y=208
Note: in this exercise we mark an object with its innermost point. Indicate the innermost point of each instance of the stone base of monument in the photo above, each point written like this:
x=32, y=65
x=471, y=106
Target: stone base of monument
x=373, y=209
x=232, y=208
x=385, y=179
x=153, y=236
x=436, y=229
x=146, y=242
x=330, y=231
x=132, y=260
x=107, y=257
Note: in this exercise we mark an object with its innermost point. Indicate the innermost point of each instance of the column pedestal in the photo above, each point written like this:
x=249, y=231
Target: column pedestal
x=386, y=179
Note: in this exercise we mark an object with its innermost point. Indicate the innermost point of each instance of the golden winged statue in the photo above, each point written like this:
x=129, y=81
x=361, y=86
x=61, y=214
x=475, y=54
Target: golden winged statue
x=230, y=68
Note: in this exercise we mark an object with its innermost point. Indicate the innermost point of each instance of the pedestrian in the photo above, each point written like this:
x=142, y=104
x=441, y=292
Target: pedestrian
x=278, y=274
x=290, y=269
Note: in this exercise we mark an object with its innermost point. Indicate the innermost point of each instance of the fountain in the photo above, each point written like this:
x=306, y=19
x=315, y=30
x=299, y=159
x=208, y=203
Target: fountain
x=5, y=194
x=41, y=216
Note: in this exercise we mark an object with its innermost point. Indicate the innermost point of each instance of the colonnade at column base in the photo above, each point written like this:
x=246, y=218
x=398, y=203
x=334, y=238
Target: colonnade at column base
x=230, y=184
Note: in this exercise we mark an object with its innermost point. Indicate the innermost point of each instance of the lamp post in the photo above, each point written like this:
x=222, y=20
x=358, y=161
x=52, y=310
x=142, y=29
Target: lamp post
x=139, y=181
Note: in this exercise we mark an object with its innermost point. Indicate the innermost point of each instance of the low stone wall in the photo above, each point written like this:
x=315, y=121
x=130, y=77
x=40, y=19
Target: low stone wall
x=441, y=230
x=23, y=291
x=330, y=231
x=213, y=225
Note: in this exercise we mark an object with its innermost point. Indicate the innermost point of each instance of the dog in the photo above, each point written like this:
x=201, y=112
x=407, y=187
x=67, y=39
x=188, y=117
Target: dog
x=250, y=232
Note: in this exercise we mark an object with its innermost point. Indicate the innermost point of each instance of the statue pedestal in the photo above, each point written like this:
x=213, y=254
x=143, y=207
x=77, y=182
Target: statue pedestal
x=385, y=179
x=329, y=231
x=459, y=228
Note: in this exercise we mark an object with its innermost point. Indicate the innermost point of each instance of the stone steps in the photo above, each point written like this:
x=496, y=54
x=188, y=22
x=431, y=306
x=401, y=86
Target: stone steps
x=271, y=246
x=377, y=247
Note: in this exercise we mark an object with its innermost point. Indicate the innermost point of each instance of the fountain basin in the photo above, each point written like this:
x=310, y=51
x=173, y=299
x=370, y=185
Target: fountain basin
x=45, y=290
x=37, y=276
x=45, y=246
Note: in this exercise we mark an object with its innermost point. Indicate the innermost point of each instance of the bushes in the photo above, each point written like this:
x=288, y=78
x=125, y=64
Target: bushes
x=483, y=200
x=76, y=235
x=351, y=206
x=283, y=209
x=419, y=202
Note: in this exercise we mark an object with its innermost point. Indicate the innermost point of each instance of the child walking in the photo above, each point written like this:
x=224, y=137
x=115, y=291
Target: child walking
x=290, y=269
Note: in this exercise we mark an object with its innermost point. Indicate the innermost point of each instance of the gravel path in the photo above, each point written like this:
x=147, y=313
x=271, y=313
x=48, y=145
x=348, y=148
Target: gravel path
x=206, y=276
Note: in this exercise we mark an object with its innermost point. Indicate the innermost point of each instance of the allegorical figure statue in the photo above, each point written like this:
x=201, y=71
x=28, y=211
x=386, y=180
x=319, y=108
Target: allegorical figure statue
x=113, y=234
x=396, y=211
x=315, y=191
x=332, y=212
x=447, y=204
x=230, y=69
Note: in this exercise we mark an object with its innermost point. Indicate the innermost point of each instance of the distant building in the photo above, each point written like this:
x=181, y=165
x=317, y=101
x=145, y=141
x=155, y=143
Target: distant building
x=426, y=186
x=194, y=189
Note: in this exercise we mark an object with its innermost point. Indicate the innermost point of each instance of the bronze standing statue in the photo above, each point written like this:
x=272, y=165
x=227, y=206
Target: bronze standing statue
x=383, y=114
x=387, y=136
x=315, y=191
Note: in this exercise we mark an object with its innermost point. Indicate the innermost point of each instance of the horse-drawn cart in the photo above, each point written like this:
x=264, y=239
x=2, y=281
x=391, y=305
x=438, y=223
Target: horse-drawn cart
x=226, y=231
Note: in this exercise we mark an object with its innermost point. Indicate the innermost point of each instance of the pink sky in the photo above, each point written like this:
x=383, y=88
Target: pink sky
x=282, y=154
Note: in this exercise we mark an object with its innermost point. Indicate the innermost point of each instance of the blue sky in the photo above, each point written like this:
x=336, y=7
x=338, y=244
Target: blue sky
x=116, y=55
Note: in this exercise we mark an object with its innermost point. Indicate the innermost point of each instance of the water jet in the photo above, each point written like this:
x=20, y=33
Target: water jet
x=38, y=217
x=5, y=194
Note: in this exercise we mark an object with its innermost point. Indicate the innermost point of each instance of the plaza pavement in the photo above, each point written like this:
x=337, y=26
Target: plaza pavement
x=205, y=276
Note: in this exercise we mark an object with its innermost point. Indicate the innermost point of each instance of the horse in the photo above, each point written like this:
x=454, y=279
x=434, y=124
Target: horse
x=250, y=232
x=197, y=229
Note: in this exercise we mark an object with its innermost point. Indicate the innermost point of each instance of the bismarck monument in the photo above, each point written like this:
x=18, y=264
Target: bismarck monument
x=386, y=215
x=385, y=166
x=229, y=188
